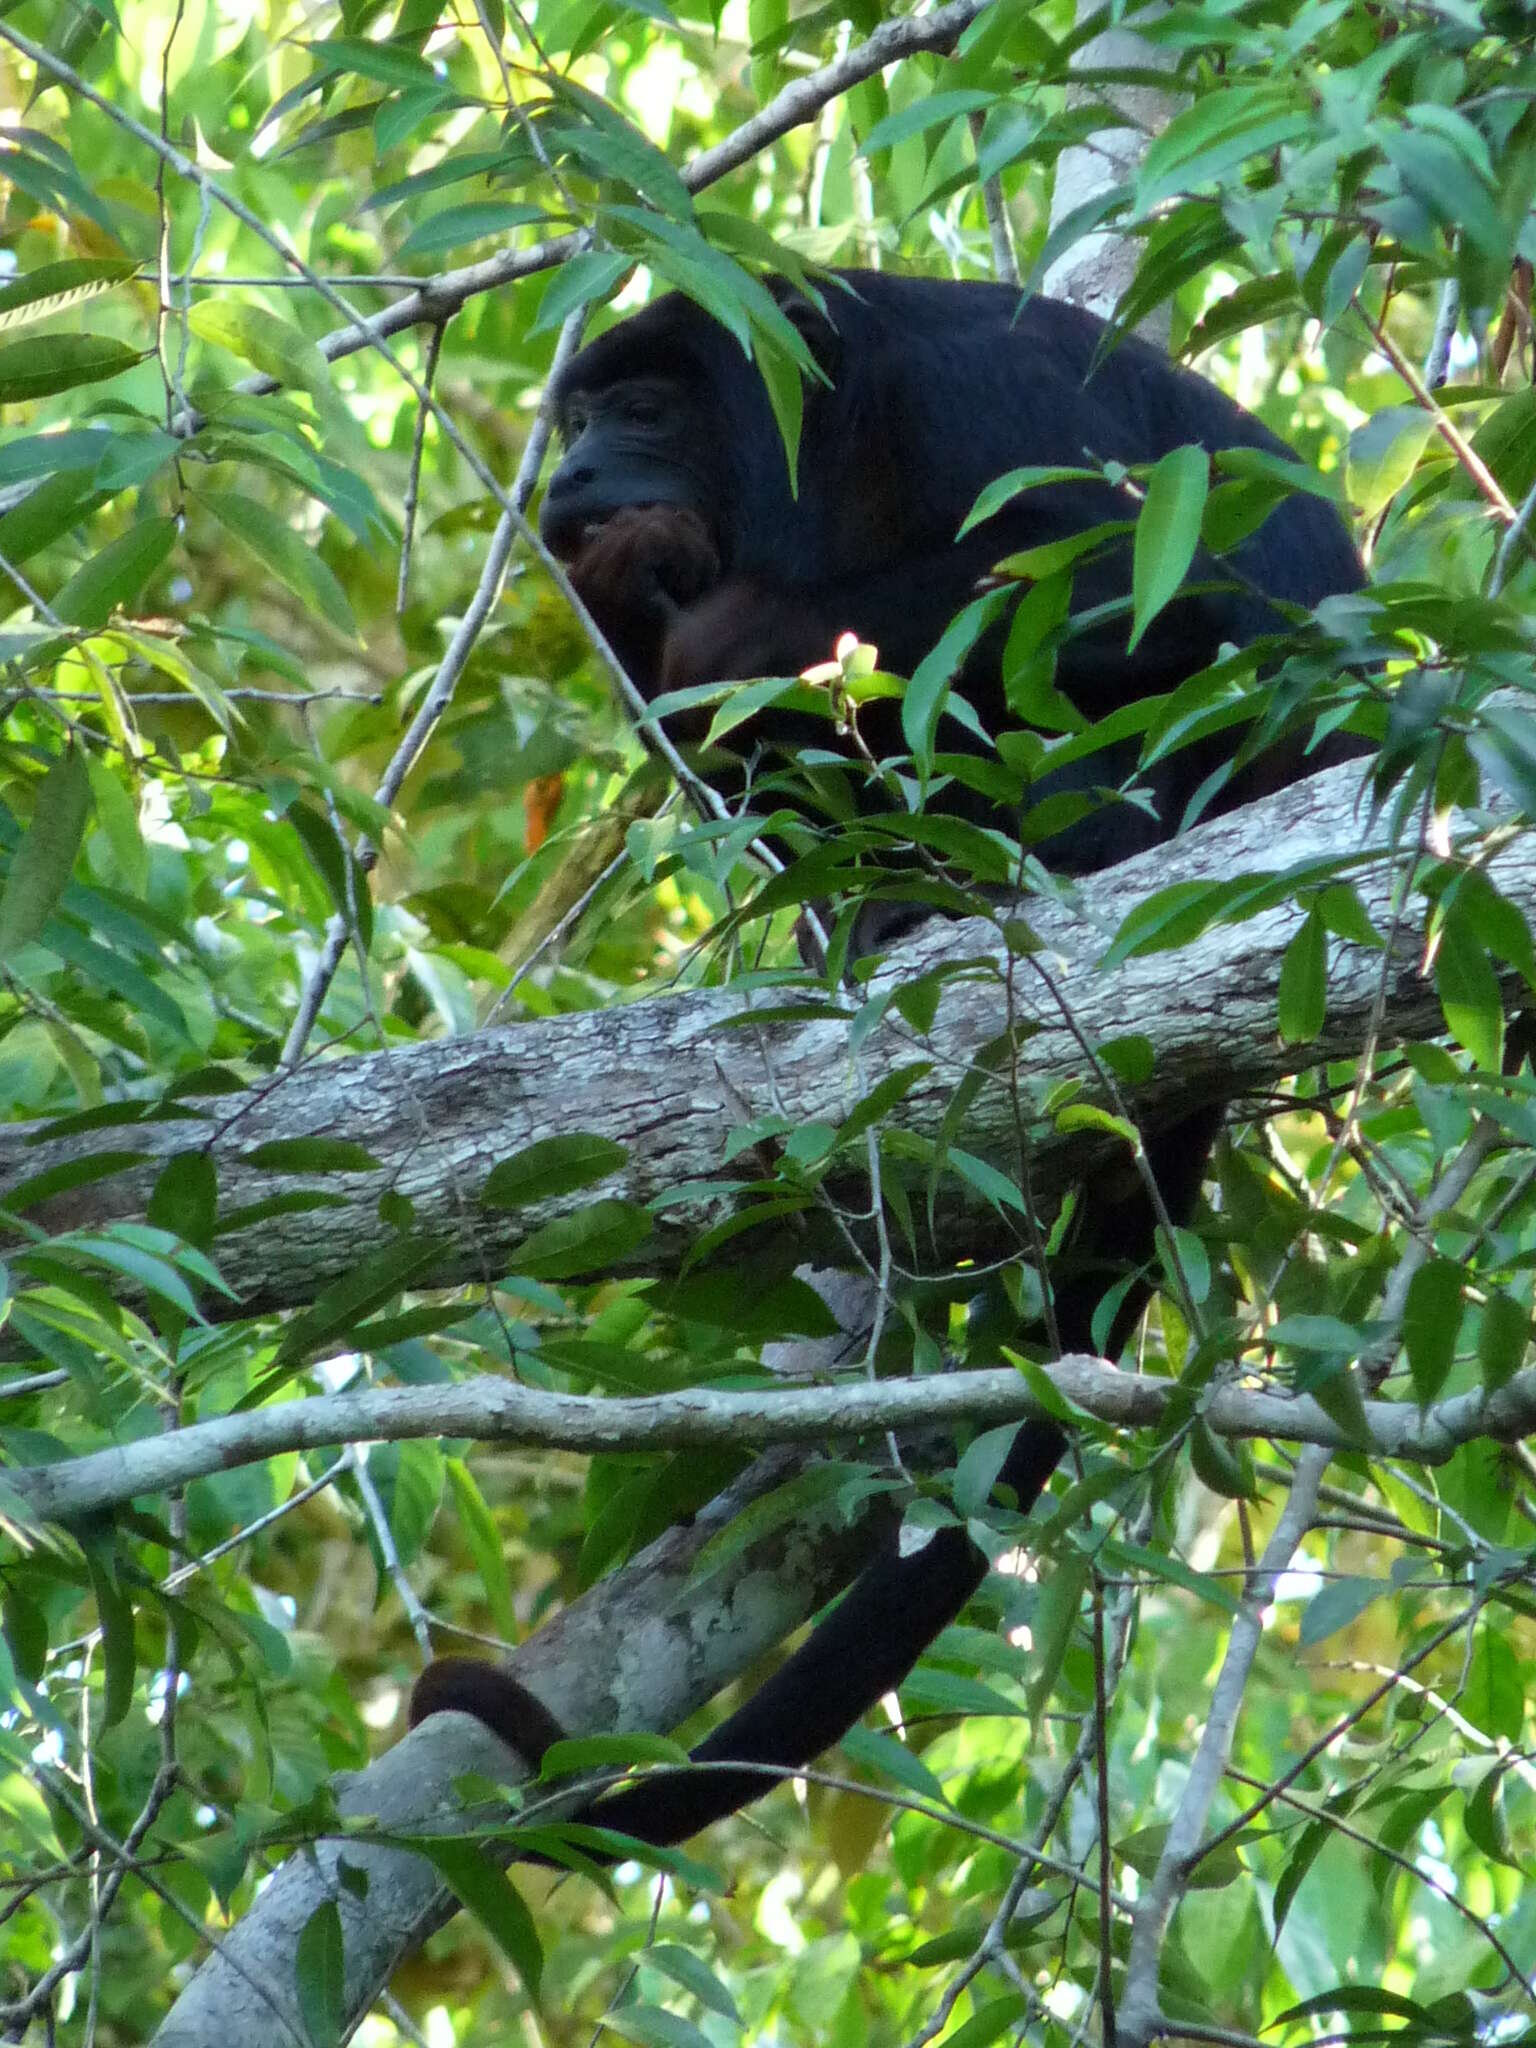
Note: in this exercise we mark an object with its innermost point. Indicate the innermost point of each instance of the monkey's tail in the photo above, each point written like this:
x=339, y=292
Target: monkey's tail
x=862, y=1650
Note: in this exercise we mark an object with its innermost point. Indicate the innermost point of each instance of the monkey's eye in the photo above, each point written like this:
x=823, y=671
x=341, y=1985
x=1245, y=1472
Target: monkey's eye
x=574, y=424
x=644, y=409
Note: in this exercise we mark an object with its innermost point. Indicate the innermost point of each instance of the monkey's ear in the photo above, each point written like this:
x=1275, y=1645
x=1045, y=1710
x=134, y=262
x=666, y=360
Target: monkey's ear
x=815, y=327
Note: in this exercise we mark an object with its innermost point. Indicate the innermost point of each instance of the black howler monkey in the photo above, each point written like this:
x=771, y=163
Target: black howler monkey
x=674, y=509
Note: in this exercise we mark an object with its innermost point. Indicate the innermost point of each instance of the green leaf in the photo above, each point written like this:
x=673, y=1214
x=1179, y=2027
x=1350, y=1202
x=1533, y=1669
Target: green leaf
x=24, y=1626
x=291, y=560
x=592, y=275
x=45, y=859
x=1431, y=1324
x=651, y=2026
x=1383, y=454
x=454, y=170
x=486, y=1548
x=1226, y=1467
x=311, y=1155
x=631, y=161
x=923, y=701
x=785, y=385
x=1487, y=1825
x=889, y=1758
x=59, y=362
x=1051, y=557
x=1087, y=1116
x=806, y=1495
x=1183, y=1251
x=59, y=287
x=1438, y=175
x=1505, y=749
x=471, y=222
x=1494, y=1695
x=1336, y=1390
x=1358, y=1998
x=111, y=971
x=1161, y=1564
x=136, y=1262
x=937, y=1691
x=1313, y=1839
x=1214, y=137
x=990, y=2022
x=117, y=815
x=1131, y=1058
x=1339, y=1603
x=929, y=110
x=111, y=579
x=976, y=1473
x=1330, y=1335
x=1342, y=911
x=345, y=879
x=695, y=1976
x=185, y=1198
x=388, y=63
x=1469, y=991
x=1004, y=489
x=1503, y=1338
x=576, y=1755
x=1054, y=1619
x=1302, y=997
x=25, y=1194
x=993, y=1186
x=399, y=116
x=341, y=1307
x=47, y=455
x=1171, y=917
x=319, y=1976
x=114, y=1617
x=265, y=340
x=882, y=1099
x=1167, y=533
x=1144, y=1848
x=551, y=1166
x=589, y=1240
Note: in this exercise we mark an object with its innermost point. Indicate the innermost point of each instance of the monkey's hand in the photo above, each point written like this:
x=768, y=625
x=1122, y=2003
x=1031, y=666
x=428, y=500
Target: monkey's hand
x=652, y=559
x=637, y=573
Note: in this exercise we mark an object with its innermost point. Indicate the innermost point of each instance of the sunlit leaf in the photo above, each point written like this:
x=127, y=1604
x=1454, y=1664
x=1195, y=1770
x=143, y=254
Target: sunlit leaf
x=40, y=366
x=42, y=863
x=1167, y=533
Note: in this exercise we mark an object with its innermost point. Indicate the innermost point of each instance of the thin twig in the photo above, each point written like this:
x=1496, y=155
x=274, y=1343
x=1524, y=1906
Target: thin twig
x=1141, y=2013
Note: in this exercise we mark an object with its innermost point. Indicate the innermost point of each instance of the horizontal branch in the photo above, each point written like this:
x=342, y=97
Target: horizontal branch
x=492, y=1411
x=669, y=1078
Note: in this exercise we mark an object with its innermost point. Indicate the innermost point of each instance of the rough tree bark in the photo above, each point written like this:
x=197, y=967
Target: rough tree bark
x=669, y=1078
x=1099, y=267
x=644, y=1649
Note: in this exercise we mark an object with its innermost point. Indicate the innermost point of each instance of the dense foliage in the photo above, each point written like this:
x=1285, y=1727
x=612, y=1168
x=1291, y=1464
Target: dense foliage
x=243, y=548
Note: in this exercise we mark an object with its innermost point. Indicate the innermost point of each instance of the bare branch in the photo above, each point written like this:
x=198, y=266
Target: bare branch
x=1140, y=2013
x=492, y=1410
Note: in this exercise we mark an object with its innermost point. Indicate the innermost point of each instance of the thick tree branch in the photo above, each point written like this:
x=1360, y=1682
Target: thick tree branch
x=670, y=1078
x=644, y=1649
